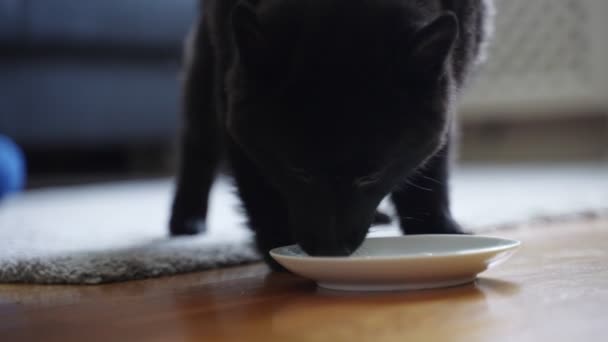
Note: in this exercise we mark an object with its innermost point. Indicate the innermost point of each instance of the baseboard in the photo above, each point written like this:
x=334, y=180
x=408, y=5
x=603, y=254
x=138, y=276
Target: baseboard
x=542, y=139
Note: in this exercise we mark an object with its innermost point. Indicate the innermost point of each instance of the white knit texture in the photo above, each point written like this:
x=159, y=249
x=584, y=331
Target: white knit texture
x=117, y=232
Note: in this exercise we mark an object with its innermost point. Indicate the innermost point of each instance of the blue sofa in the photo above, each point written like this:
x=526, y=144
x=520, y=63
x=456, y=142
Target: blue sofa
x=91, y=72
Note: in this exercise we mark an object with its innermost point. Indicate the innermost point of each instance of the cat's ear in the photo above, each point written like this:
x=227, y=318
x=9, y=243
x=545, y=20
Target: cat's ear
x=432, y=45
x=251, y=43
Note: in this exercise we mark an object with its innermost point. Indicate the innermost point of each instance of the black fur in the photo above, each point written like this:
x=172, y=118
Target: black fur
x=322, y=108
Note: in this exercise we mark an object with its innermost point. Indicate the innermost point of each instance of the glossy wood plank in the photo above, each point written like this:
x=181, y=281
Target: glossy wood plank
x=554, y=289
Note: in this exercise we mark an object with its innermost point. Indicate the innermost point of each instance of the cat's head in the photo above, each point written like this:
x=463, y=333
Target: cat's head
x=337, y=104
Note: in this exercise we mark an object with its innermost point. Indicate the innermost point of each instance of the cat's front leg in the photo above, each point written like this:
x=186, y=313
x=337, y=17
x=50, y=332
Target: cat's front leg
x=265, y=208
x=422, y=203
x=196, y=174
x=199, y=143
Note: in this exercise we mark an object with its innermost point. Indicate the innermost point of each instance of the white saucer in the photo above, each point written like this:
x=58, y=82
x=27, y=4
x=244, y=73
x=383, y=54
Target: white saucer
x=401, y=263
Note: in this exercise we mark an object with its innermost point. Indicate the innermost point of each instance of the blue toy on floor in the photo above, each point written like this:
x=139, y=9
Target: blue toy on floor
x=12, y=167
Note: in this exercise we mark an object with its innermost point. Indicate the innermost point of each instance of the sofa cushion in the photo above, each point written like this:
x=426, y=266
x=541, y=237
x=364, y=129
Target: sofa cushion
x=12, y=20
x=116, y=23
x=66, y=101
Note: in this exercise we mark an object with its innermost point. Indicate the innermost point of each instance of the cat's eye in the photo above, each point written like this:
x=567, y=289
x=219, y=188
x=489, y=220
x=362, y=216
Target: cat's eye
x=301, y=174
x=368, y=180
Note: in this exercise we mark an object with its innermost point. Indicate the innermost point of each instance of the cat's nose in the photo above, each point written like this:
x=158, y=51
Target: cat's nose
x=321, y=231
x=330, y=241
x=327, y=248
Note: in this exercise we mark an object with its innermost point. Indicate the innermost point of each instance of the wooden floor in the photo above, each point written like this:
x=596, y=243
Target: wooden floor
x=554, y=289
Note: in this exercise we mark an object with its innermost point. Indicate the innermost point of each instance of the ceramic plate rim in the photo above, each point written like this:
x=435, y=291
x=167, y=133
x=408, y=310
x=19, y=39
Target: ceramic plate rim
x=510, y=244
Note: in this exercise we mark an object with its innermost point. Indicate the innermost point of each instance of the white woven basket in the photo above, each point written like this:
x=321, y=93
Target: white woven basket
x=547, y=57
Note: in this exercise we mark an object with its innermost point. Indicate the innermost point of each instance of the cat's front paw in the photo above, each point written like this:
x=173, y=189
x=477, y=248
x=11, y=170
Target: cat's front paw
x=381, y=218
x=179, y=226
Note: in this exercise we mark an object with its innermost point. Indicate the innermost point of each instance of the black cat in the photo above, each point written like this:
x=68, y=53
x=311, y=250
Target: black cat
x=322, y=108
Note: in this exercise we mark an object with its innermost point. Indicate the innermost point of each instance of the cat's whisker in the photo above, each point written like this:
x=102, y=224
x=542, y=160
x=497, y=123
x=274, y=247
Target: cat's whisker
x=432, y=179
x=410, y=183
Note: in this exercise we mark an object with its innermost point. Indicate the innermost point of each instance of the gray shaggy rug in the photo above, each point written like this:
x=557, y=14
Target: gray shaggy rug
x=116, y=232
